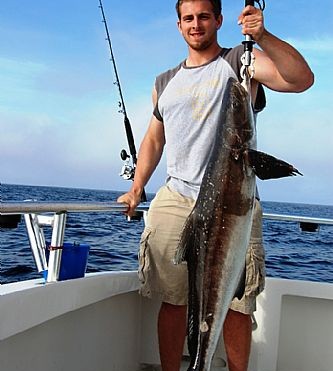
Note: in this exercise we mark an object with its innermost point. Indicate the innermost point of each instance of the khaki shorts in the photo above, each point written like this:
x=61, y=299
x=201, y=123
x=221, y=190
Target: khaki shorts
x=161, y=278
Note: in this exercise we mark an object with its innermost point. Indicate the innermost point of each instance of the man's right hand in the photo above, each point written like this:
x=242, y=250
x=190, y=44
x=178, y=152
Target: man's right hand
x=132, y=200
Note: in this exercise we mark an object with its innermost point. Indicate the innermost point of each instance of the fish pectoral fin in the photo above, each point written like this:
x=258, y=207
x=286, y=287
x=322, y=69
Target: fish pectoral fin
x=269, y=167
x=180, y=255
x=185, y=242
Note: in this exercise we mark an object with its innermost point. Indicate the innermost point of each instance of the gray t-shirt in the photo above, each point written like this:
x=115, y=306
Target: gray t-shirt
x=188, y=104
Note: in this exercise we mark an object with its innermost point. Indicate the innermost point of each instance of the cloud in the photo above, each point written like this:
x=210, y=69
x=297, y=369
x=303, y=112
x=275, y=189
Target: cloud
x=17, y=80
x=79, y=147
x=297, y=128
x=317, y=44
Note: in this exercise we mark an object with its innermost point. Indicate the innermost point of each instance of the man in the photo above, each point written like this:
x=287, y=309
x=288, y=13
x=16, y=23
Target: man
x=185, y=100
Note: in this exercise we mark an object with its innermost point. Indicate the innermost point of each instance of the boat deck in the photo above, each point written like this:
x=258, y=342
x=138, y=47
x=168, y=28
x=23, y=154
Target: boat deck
x=218, y=365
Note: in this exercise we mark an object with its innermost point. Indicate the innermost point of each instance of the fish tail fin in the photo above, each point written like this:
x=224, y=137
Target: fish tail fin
x=269, y=167
x=185, y=241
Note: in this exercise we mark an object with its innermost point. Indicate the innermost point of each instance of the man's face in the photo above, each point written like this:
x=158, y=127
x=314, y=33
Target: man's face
x=198, y=24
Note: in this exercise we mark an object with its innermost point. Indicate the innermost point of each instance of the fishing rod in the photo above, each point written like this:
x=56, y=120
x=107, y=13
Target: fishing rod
x=128, y=170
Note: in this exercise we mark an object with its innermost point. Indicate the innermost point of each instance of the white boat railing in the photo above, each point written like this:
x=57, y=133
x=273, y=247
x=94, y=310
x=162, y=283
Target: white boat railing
x=295, y=218
x=28, y=207
x=8, y=208
x=36, y=217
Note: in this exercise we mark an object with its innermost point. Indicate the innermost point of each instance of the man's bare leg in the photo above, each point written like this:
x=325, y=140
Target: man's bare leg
x=237, y=333
x=171, y=335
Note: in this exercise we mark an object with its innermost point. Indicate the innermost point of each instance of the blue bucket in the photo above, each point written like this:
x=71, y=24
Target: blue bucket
x=74, y=261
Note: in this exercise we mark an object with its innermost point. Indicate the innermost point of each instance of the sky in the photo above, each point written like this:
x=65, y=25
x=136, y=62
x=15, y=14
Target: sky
x=59, y=118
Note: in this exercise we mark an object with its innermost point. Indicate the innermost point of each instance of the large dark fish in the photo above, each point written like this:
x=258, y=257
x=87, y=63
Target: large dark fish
x=217, y=232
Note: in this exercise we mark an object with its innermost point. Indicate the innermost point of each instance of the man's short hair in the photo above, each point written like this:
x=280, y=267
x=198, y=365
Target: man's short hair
x=217, y=8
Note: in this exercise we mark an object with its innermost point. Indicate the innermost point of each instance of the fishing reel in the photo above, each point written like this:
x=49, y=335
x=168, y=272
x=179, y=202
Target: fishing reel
x=127, y=171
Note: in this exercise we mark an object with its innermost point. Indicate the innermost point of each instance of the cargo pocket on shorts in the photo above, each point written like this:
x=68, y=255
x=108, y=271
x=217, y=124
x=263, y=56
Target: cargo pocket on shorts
x=143, y=257
x=255, y=270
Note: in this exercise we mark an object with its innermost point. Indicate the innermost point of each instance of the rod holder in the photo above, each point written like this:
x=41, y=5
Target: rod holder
x=57, y=242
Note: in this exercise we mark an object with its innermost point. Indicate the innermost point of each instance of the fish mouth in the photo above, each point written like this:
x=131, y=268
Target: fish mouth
x=238, y=90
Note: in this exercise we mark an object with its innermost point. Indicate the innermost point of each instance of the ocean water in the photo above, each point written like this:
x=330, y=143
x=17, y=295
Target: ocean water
x=290, y=253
